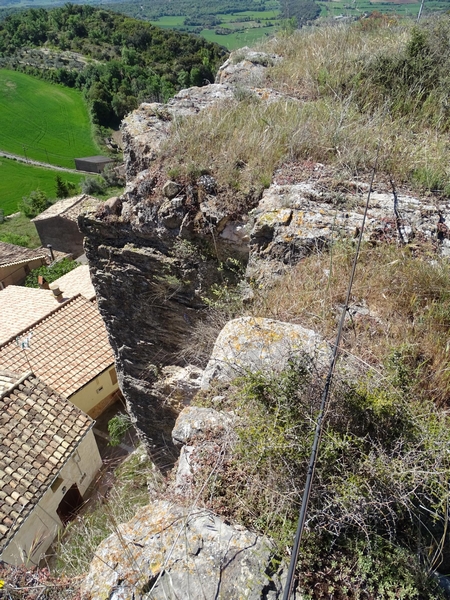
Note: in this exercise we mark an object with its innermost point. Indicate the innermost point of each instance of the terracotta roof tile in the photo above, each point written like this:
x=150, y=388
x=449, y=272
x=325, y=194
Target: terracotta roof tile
x=29, y=464
x=76, y=282
x=69, y=208
x=20, y=307
x=69, y=361
x=12, y=254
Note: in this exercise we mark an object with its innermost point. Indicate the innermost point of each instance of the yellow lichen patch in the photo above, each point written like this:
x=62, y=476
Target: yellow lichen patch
x=297, y=218
x=280, y=217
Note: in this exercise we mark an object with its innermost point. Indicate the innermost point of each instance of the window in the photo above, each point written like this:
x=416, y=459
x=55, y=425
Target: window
x=113, y=376
x=56, y=484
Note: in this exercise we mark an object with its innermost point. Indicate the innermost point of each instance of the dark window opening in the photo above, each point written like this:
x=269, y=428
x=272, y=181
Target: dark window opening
x=70, y=504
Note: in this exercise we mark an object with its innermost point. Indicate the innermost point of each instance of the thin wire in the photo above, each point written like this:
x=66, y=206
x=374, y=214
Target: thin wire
x=323, y=405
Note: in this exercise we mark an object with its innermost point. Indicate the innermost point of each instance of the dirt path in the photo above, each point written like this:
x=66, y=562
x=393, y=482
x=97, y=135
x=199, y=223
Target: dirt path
x=36, y=163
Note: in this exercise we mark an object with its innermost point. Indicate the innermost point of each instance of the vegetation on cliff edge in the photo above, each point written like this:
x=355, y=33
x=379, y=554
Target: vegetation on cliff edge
x=378, y=86
x=117, y=61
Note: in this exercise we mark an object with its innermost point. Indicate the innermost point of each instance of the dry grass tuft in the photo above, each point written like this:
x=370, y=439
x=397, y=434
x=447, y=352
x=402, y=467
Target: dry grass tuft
x=405, y=302
x=344, y=99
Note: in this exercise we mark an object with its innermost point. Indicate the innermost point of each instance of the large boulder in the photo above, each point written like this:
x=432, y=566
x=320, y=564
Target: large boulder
x=169, y=552
x=254, y=344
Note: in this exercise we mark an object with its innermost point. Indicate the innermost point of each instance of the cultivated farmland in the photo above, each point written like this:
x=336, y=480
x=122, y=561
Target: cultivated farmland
x=42, y=121
x=18, y=179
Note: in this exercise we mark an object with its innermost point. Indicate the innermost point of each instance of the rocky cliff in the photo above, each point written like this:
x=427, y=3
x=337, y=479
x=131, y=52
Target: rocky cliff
x=155, y=251
x=154, y=254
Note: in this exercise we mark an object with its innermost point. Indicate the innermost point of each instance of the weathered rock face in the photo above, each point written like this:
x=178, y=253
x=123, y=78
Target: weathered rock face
x=250, y=344
x=305, y=210
x=154, y=252
x=169, y=552
x=246, y=66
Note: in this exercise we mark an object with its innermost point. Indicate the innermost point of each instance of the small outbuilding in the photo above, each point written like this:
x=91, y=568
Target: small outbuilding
x=48, y=458
x=16, y=263
x=92, y=164
x=58, y=225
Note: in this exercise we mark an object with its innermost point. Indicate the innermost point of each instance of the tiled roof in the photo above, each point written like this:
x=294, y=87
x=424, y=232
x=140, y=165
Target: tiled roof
x=11, y=254
x=68, y=348
x=76, y=282
x=40, y=430
x=20, y=307
x=7, y=380
x=69, y=208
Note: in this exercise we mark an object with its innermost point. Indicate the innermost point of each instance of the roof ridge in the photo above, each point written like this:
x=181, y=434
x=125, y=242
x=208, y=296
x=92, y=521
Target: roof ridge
x=17, y=383
x=22, y=260
x=39, y=321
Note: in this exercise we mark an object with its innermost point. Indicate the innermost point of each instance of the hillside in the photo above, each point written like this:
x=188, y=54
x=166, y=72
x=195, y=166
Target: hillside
x=117, y=61
x=45, y=122
x=267, y=174
x=231, y=252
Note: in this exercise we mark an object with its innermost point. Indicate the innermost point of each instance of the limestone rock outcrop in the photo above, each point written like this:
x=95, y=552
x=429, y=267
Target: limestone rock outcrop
x=167, y=552
x=250, y=344
x=157, y=252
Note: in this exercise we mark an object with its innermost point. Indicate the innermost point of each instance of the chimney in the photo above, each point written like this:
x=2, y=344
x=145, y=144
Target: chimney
x=43, y=283
x=58, y=294
x=50, y=249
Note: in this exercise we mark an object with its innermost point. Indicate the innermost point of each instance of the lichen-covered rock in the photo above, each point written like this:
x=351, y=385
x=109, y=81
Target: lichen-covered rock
x=253, y=344
x=246, y=67
x=294, y=219
x=195, y=422
x=178, y=385
x=169, y=552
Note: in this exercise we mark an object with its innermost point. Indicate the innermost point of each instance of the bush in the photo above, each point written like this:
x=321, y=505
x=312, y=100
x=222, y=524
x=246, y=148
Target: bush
x=93, y=185
x=15, y=238
x=51, y=273
x=34, y=204
x=117, y=428
x=381, y=482
x=64, y=189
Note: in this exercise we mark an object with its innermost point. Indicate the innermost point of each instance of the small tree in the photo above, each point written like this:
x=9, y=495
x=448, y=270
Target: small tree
x=93, y=185
x=34, y=204
x=64, y=189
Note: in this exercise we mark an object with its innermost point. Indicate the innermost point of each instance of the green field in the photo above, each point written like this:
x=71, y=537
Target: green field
x=18, y=180
x=42, y=121
x=235, y=40
x=361, y=7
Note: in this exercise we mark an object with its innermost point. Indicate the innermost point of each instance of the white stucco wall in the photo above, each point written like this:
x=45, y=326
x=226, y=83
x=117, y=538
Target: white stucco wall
x=38, y=531
x=97, y=395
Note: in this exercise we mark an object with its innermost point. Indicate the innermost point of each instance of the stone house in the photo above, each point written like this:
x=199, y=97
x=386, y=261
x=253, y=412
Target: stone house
x=17, y=262
x=48, y=459
x=58, y=226
x=68, y=349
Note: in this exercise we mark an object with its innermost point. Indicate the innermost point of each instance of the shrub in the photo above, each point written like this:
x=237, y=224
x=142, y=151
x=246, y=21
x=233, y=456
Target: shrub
x=15, y=238
x=34, y=204
x=117, y=428
x=93, y=185
x=64, y=189
x=380, y=488
x=51, y=273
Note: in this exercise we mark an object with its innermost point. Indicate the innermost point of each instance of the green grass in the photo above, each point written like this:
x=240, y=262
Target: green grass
x=18, y=179
x=43, y=121
x=19, y=229
x=346, y=8
x=169, y=22
x=236, y=40
x=250, y=31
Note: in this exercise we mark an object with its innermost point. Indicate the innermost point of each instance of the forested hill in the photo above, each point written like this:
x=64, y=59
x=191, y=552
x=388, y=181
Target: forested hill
x=117, y=61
